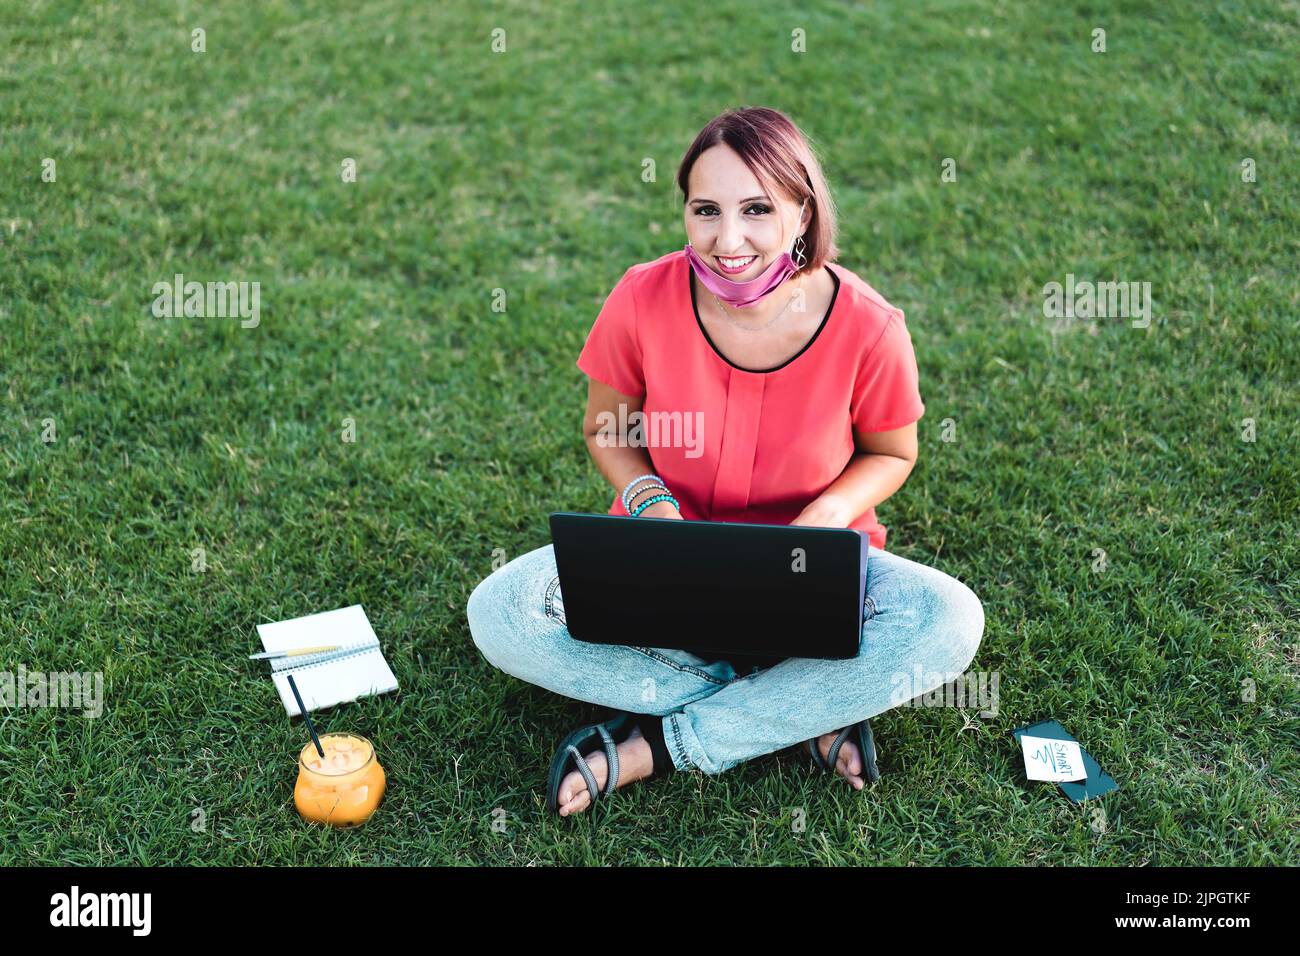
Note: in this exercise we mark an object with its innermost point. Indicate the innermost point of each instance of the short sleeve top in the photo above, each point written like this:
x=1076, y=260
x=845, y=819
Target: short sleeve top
x=742, y=445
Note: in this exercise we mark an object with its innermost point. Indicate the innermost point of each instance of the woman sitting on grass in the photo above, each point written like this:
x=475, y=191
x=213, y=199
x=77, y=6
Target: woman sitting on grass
x=807, y=381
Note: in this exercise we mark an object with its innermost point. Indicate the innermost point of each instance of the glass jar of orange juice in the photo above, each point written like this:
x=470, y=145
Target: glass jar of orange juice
x=342, y=788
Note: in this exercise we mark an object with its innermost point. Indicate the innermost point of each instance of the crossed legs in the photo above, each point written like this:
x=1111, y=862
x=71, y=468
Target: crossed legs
x=918, y=621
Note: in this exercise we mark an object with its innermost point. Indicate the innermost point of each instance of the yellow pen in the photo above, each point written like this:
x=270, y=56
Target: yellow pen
x=295, y=652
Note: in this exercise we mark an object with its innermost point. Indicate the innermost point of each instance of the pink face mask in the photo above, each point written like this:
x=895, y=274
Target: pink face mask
x=736, y=294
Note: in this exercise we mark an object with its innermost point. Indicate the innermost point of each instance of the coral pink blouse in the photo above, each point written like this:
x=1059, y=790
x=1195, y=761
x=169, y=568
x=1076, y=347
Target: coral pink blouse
x=736, y=444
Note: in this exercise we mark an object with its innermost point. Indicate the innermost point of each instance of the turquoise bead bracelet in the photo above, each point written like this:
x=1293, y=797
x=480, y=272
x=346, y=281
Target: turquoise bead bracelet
x=649, y=501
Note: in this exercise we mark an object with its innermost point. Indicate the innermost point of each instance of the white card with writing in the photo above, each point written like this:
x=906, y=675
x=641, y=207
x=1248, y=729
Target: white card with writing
x=1047, y=759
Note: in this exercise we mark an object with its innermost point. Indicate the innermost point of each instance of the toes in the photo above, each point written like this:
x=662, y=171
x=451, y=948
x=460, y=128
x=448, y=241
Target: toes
x=848, y=763
x=573, y=785
x=850, y=760
x=573, y=788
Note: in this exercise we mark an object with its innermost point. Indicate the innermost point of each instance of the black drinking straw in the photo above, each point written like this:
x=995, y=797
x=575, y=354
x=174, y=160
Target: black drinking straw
x=303, y=707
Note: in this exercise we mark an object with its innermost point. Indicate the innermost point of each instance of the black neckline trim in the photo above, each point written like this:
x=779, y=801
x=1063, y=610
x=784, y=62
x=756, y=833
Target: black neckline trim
x=776, y=368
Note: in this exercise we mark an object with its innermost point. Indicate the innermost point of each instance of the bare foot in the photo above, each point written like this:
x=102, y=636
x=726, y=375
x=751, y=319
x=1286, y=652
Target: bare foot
x=635, y=762
x=849, y=761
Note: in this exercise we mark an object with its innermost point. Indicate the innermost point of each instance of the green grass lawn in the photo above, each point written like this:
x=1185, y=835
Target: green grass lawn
x=522, y=171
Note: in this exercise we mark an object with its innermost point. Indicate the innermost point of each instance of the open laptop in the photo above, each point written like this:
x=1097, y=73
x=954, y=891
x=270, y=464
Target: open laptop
x=717, y=589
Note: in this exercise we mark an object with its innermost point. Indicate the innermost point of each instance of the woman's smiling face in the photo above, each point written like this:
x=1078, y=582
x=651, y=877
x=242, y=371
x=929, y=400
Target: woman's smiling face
x=731, y=222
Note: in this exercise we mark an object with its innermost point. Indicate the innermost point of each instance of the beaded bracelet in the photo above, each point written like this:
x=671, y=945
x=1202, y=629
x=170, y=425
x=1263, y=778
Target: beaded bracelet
x=642, y=490
x=628, y=486
x=649, y=501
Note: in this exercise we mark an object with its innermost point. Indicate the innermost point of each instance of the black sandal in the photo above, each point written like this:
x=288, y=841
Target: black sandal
x=866, y=743
x=609, y=734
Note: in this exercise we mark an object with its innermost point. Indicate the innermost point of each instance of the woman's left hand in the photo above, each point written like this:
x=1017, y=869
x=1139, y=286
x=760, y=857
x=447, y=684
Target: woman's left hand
x=824, y=512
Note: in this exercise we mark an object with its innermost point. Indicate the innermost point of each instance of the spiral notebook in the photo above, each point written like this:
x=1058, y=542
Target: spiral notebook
x=356, y=669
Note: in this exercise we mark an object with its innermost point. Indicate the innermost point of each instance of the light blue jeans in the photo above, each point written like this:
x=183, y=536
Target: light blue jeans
x=920, y=630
